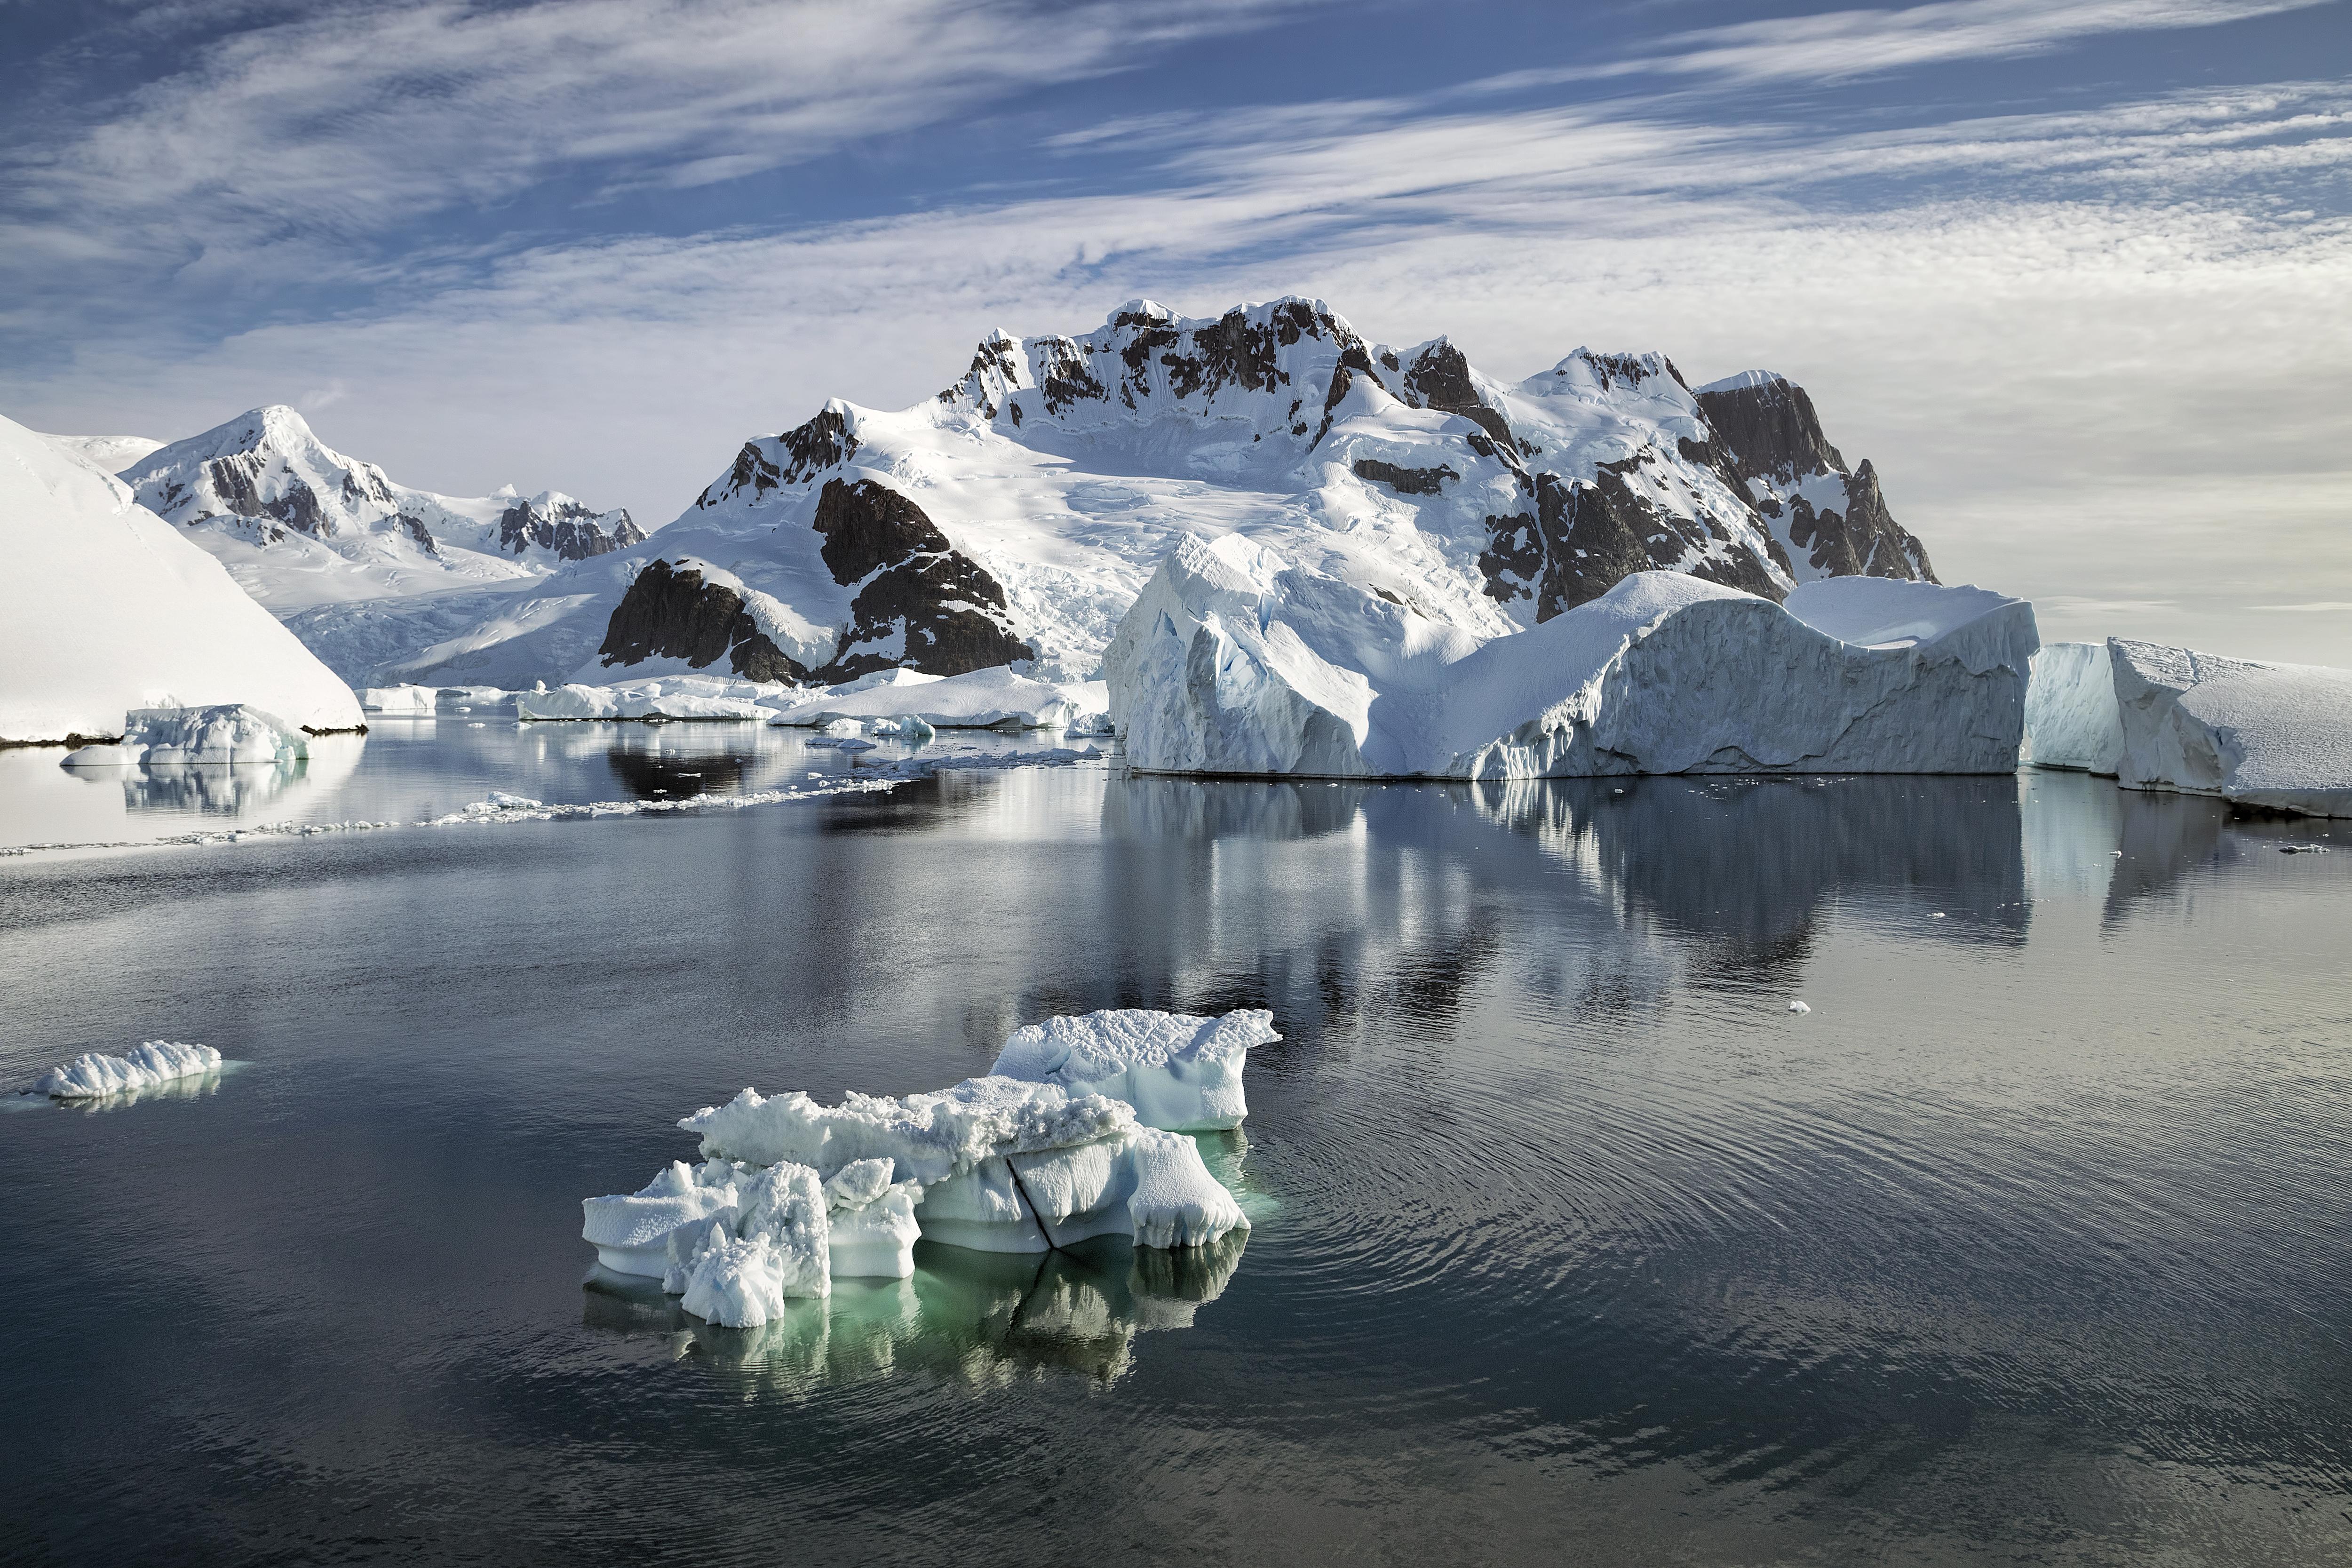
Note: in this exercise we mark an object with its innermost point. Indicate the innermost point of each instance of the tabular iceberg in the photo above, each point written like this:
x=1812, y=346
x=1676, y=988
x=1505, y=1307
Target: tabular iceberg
x=2277, y=736
x=977, y=699
x=791, y=1194
x=1179, y=1072
x=92, y=1077
x=1236, y=660
x=670, y=697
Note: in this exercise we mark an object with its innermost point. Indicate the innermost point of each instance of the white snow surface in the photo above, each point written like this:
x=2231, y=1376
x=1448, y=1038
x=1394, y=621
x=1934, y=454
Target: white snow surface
x=981, y=699
x=1181, y=1073
x=91, y=1076
x=1067, y=465
x=110, y=453
x=2071, y=718
x=1236, y=660
x=2278, y=736
x=105, y=607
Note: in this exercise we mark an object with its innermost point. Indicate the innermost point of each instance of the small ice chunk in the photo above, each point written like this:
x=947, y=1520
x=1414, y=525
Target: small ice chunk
x=781, y=1250
x=1800, y=1008
x=857, y=1184
x=91, y=1076
x=1180, y=1072
x=632, y=1232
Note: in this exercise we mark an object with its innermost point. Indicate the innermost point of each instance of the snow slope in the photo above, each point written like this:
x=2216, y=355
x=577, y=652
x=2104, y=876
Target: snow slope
x=1236, y=660
x=105, y=607
x=1015, y=516
x=113, y=452
x=300, y=524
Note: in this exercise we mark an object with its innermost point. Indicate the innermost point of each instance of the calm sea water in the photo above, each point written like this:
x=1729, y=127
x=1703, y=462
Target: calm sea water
x=2032, y=1242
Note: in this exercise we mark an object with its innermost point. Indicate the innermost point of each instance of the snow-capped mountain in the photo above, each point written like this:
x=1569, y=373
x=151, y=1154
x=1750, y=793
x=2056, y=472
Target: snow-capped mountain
x=1018, y=513
x=105, y=608
x=298, y=524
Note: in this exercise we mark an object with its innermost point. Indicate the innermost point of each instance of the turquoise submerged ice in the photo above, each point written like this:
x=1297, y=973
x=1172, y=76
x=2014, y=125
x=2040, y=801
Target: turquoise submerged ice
x=791, y=1194
x=1179, y=1072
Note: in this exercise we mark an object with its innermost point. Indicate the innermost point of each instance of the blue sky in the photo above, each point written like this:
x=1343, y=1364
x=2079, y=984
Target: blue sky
x=2076, y=274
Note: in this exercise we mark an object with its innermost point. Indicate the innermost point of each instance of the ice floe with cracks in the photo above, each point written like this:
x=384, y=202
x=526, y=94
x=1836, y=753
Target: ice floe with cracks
x=224, y=734
x=993, y=1164
x=1181, y=1073
x=92, y=1076
x=1237, y=660
x=992, y=699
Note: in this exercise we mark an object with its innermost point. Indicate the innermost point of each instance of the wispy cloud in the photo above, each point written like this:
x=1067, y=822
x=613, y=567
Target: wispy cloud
x=1842, y=45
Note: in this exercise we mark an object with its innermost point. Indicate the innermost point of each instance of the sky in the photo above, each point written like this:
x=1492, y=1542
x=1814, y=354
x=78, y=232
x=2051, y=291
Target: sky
x=2076, y=274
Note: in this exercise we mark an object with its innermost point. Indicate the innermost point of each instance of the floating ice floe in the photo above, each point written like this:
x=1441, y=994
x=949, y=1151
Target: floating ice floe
x=2274, y=736
x=979, y=700
x=667, y=697
x=1800, y=1008
x=1179, y=1072
x=1236, y=660
x=790, y=1192
x=91, y=1076
x=227, y=732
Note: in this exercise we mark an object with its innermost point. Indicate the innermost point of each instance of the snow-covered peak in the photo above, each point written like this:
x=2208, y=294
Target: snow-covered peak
x=1741, y=382
x=110, y=453
x=1592, y=375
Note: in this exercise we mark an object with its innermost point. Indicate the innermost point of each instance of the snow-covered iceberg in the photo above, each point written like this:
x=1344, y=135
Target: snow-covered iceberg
x=980, y=698
x=2276, y=736
x=2071, y=719
x=790, y=1193
x=105, y=607
x=91, y=1076
x=1179, y=1072
x=1237, y=660
x=668, y=696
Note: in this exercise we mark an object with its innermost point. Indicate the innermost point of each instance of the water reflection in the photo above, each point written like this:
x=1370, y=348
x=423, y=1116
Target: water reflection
x=978, y=1319
x=656, y=772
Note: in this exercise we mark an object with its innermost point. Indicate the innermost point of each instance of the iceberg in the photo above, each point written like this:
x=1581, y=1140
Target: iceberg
x=2071, y=719
x=1237, y=660
x=92, y=1077
x=979, y=700
x=790, y=1193
x=2277, y=736
x=416, y=700
x=670, y=697
x=1182, y=1074
x=226, y=733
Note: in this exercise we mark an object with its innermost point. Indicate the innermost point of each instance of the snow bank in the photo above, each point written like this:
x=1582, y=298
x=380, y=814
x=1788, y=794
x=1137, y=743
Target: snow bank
x=2278, y=736
x=91, y=1076
x=105, y=608
x=982, y=699
x=790, y=1193
x=407, y=699
x=1236, y=660
x=1179, y=1072
x=670, y=697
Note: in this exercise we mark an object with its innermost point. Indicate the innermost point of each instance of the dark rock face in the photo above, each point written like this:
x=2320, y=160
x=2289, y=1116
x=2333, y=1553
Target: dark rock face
x=1440, y=378
x=793, y=458
x=1583, y=538
x=1769, y=434
x=921, y=603
x=573, y=532
x=1404, y=481
x=951, y=611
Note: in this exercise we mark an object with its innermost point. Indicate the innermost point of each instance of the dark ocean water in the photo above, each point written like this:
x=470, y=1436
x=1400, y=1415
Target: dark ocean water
x=2032, y=1242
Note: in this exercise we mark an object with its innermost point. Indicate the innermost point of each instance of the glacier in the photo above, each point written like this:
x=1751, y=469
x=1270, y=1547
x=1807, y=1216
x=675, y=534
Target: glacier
x=106, y=607
x=91, y=1076
x=790, y=1193
x=1236, y=660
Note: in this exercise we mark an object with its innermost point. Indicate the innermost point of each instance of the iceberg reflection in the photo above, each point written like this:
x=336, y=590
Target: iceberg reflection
x=975, y=1317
